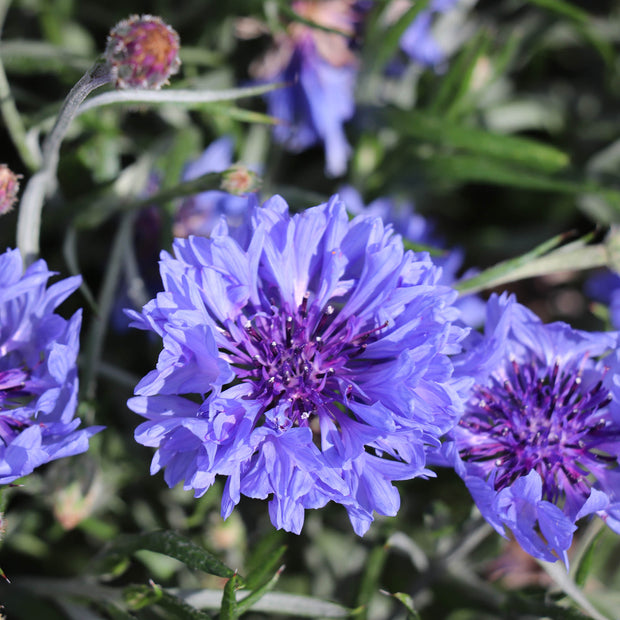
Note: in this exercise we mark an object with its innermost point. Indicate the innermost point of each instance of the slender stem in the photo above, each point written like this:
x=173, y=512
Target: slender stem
x=99, y=323
x=558, y=573
x=183, y=96
x=10, y=114
x=29, y=218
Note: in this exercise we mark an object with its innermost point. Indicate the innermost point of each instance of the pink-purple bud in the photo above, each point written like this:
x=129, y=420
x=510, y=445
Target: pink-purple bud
x=9, y=186
x=143, y=52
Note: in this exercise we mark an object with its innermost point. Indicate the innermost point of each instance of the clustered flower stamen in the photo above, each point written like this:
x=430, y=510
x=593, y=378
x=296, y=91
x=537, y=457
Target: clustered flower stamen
x=540, y=419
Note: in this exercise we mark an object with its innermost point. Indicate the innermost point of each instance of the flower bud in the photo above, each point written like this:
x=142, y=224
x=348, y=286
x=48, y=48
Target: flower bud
x=239, y=181
x=143, y=52
x=9, y=186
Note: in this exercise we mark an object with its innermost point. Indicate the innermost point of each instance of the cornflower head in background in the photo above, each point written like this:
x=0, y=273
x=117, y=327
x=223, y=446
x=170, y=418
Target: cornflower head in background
x=538, y=444
x=320, y=69
x=418, y=41
x=9, y=186
x=604, y=287
x=142, y=52
x=38, y=374
x=418, y=229
x=308, y=364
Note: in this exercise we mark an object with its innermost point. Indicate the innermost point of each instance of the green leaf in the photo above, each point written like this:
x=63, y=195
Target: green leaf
x=522, y=151
x=381, y=44
x=582, y=22
x=468, y=168
x=564, y=8
x=407, y=601
x=171, y=544
x=370, y=579
x=454, y=83
x=585, y=564
x=179, y=609
x=138, y=597
x=273, y=604
x=263, y=562
x=246, y=603
x=541, y=261
x=229, y=600
x=422, y=247
x=113, y=611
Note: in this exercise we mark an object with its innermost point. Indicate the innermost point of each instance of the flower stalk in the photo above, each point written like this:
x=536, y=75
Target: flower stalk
x=43, y=181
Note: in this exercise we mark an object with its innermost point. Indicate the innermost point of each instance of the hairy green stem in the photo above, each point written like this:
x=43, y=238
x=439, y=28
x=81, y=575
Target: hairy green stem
x=43, y=182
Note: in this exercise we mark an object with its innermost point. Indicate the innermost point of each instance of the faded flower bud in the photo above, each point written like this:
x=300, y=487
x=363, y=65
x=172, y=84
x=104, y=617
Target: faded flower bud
x=9, y=186
x=143, y=52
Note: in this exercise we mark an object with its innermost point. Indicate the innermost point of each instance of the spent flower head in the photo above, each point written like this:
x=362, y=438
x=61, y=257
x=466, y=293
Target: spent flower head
x=38, y=374
x=307, y=362
x=538, y=445
x=142, y=52
x=9, y=186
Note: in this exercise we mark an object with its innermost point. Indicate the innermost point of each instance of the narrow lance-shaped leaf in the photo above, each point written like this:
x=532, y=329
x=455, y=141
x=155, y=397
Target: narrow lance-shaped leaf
x=407, y=602
x=260, y=573
x=229, y=600
x=540, y=261
x=523, y=151
x=383, y=44
x=246, y=603
x=173, y=545
x=275, y=604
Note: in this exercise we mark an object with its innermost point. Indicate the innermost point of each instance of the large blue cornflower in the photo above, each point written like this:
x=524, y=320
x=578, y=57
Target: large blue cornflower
x=38, y=375
x=539, y=442
x=308, y=364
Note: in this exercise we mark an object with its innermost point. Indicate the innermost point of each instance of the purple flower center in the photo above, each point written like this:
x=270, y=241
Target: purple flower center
x=13, y=392
x=300, y=358
x=542, y=418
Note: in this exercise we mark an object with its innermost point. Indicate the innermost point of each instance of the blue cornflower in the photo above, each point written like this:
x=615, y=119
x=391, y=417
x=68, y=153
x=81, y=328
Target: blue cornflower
x=38, y=375
x=321, y=70
x=307, y=364
x=538, y=445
